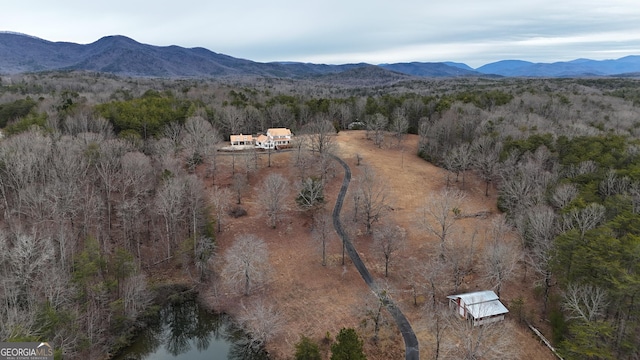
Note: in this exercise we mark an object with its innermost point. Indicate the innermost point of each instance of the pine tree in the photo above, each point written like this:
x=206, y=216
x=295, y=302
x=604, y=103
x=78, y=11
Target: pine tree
x=348, y=346
x=306, y=349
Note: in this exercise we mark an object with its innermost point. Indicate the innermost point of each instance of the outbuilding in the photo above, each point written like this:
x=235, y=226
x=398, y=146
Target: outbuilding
x=480, y=307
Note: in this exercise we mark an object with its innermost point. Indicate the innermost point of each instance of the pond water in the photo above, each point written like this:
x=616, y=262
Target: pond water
x=186, y=330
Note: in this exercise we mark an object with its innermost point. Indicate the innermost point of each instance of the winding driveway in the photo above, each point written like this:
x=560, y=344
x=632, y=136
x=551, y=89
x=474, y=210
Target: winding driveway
x=412, y=351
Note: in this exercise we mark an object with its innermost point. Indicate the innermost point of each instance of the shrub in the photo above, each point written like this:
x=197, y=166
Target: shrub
x=237, y=212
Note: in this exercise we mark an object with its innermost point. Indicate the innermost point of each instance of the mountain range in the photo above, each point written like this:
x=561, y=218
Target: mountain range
x=120, y=55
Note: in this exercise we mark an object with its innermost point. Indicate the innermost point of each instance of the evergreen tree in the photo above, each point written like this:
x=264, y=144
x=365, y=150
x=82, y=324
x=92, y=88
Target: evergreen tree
x=306, y=349
x=348, y=346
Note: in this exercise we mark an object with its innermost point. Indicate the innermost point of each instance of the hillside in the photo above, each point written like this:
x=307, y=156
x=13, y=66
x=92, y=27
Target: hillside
x=123, y=56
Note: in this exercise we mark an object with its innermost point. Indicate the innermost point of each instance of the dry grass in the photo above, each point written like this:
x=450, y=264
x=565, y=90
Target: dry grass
x=313, y=299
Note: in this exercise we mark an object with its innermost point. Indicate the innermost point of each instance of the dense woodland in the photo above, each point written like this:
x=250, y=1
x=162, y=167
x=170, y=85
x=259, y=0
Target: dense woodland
x=98, y=183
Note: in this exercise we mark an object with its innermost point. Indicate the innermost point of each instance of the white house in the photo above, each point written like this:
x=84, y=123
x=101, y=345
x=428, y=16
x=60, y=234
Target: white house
x=275, y=138
x=481, y=307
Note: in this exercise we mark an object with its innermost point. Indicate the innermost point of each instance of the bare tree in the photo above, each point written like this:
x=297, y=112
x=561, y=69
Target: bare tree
x=25, y=263
x=22, y=155
x=582, y=168
x=540, y=229
x=90, y=209
x=462, y=159
x=428, y=275
x=273, y=197
x=16, y=313
x=247, y=263
x=205, y=249
x=135, y=295
x=342, y=112
x=195, y=203
x=281, y=115
x=438, y=215
x=438, y=322
x=458, y=259
x=489, y=341
x=517, y=192
x=501, y=256
x=321, y=135
x=135, y=185
x=69, y=175
x=376, y=126
x=254, y=119
x=585, y=302
x=174, y=133
x=326, y=167
x=108, y=168
x=449, y=164
x=199, y=141
x=322, y=229
x=486, y=159
x=584, y=219
x=563, y=195
x=250, y=161
x=388, y=239
x=239, y=185
x=399, y=124
x=220, y=199
x=374, y=313
x=298, y=146
x=590, y=332
x=304, y=163
x=613, y=184
x=373, y=198
x=28, y=259
x=169, y=205
x=233, y=119
x=424, y=129
x=310, y=193
x=262, y=321
x=84, y=123
x=634, y=194
x=524, y=182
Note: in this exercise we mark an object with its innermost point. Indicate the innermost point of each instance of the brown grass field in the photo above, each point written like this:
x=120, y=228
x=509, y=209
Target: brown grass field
x=314, y=300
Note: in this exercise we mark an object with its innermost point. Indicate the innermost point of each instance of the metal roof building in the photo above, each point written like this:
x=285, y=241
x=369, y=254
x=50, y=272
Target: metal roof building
x=481, y=307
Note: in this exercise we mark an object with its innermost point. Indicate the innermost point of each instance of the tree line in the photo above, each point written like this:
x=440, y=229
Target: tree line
x=84, y=213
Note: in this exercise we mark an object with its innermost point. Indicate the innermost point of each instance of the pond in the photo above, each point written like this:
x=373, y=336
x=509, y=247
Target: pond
x=186, y=330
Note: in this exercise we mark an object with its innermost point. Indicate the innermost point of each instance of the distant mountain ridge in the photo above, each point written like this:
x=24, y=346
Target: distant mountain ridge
x=574, y=68
x=120, y=55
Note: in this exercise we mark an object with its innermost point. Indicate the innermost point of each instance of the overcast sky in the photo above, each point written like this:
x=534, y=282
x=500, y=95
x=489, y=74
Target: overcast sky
x=474, y=32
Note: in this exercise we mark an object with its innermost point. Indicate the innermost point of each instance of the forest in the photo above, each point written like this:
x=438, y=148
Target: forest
x=105, y=182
